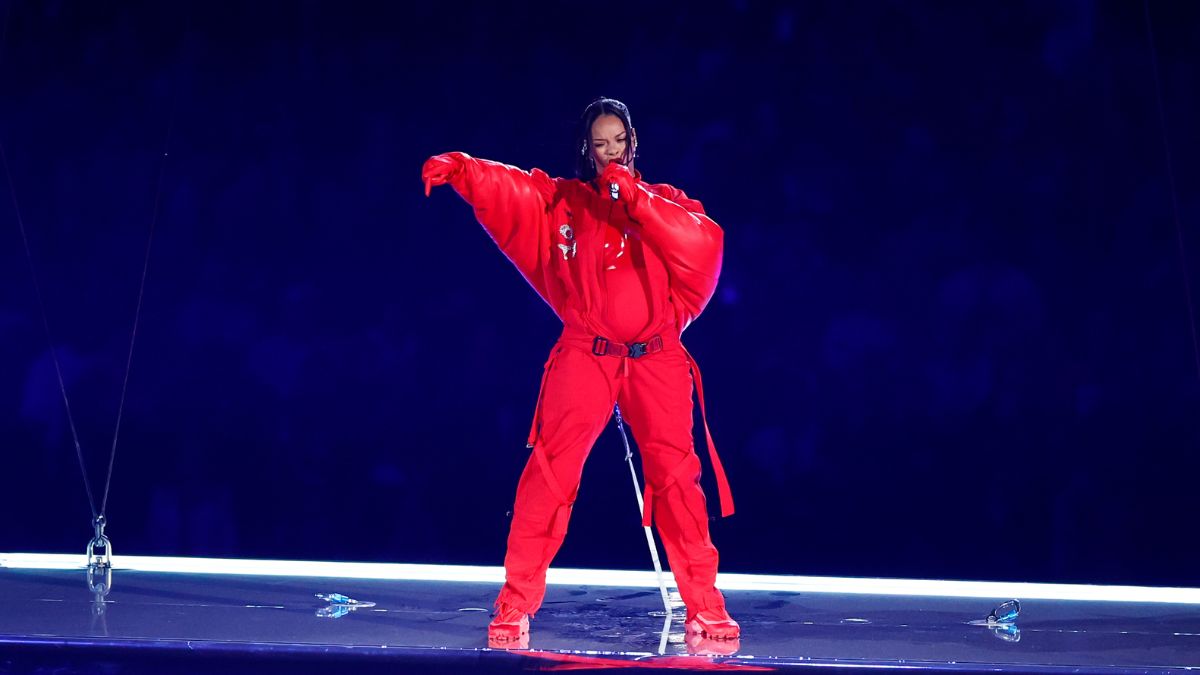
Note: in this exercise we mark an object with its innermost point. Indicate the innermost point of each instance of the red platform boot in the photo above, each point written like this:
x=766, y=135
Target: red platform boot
x=714, y=623
x=509, y=628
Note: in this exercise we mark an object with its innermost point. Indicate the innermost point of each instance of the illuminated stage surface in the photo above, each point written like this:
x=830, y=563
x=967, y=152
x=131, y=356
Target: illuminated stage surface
x=182, y=615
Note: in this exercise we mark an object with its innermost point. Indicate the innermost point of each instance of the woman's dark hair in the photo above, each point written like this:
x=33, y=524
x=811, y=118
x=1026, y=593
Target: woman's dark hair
x=585, y=166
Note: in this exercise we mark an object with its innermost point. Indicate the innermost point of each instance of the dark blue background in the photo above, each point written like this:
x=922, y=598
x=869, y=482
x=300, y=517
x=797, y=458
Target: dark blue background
x=951, y=337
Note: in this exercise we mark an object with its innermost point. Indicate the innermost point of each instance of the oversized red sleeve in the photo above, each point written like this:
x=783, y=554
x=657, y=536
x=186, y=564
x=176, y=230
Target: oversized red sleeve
x=689, y=241
x=514, y=207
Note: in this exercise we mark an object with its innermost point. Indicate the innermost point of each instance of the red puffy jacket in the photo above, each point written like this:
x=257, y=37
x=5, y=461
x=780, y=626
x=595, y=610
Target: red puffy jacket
x=553, y=230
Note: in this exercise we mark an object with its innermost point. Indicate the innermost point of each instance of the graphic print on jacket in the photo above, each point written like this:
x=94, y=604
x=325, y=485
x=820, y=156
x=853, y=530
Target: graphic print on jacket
x=529, y=215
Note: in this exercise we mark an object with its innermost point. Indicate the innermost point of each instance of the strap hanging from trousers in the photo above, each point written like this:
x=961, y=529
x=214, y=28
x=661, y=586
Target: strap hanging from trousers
x=562, y=514
x=599, y=346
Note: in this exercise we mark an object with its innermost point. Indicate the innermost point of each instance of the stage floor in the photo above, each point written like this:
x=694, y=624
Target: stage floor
x=203, y=615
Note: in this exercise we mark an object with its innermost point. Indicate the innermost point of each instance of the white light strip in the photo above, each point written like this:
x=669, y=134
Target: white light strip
x=995, y=590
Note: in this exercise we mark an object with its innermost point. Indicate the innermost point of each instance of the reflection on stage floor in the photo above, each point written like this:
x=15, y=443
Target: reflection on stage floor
x=203, y=615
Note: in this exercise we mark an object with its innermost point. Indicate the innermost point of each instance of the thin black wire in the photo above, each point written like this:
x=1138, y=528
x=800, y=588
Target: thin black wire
x=37, y=289
x=1162, y=120
x=96, y=514
x=162, y=171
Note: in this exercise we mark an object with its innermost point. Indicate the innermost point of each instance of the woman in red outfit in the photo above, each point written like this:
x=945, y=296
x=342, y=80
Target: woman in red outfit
x=626, y=266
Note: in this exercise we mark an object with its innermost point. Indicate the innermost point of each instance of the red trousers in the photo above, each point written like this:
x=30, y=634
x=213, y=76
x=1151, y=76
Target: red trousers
x=579, y=389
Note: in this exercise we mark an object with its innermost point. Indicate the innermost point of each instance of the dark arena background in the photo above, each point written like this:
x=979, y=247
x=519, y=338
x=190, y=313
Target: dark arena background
x=954, y=339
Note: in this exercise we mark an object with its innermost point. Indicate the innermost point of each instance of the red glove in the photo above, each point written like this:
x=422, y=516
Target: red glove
x=441, y=169
x=627, y=185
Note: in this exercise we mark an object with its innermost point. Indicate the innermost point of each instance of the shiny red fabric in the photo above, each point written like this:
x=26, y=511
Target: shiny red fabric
x=654, y=278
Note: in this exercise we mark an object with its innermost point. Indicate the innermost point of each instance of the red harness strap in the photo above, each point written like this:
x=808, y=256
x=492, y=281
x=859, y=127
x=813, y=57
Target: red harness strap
x=535, y=429
x=561, y=515
x=723, y=492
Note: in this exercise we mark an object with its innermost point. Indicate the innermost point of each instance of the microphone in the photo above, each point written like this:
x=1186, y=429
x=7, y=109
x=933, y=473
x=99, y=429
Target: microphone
x=614, y=191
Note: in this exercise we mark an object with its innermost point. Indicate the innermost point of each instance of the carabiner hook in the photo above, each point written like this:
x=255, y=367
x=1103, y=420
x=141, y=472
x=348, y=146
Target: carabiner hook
x=100, y=540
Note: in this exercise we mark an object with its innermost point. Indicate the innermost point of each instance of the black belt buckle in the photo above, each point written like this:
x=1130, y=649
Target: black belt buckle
x=600, y=346
x=637, y=349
